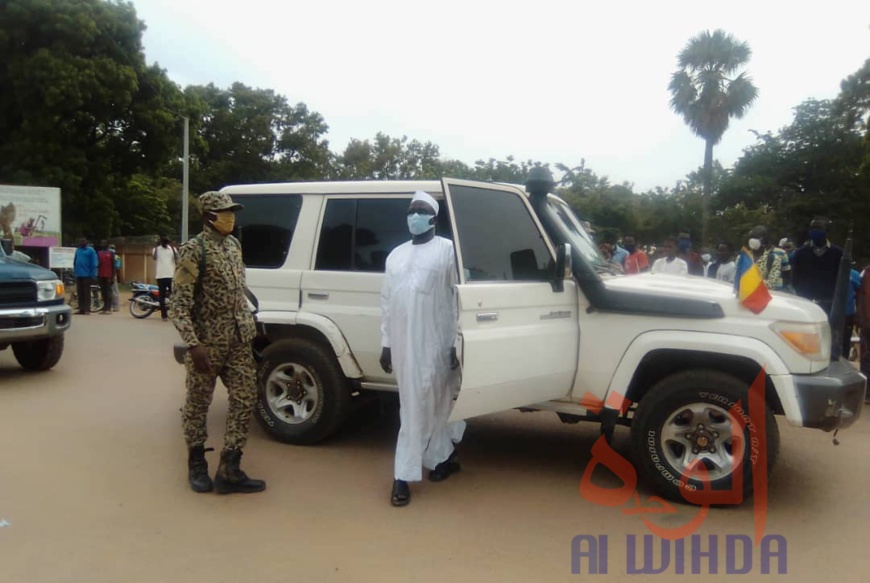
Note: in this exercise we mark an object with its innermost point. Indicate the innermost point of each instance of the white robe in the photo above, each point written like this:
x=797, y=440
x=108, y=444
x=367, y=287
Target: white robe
x=420, y=321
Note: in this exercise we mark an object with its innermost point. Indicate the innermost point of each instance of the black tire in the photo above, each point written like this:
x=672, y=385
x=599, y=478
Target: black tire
x=321, y=398
x=39, y=354
x=671, y=407
x=138, y=310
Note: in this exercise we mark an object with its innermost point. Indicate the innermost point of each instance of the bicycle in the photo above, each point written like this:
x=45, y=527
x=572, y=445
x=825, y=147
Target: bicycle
x=72, y=294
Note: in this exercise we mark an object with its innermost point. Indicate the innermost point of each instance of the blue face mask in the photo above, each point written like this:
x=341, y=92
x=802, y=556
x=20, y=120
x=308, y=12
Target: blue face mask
x=419, y=223
x=684, y=244
x=819, y=238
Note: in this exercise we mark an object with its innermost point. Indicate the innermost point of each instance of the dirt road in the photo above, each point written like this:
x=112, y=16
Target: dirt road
x=93, y=488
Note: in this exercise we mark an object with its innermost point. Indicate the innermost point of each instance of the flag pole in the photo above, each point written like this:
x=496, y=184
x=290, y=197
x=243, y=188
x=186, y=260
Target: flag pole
x=837, y=318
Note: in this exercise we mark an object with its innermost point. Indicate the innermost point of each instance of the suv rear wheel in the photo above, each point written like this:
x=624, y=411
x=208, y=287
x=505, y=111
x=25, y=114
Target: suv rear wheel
x=302, y=395
x=689, y=418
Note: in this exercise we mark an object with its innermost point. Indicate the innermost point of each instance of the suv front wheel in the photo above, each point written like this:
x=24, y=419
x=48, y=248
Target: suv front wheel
x=302, y=394
x=692, y=418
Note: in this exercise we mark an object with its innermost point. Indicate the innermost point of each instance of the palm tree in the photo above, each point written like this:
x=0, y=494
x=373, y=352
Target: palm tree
x=708, y=92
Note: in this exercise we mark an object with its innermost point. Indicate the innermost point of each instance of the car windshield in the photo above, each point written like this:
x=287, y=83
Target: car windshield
x=581, y=242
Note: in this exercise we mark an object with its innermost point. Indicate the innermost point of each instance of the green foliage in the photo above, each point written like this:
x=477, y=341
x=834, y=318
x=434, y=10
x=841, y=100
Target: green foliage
x=707, y=91
x=79, y=108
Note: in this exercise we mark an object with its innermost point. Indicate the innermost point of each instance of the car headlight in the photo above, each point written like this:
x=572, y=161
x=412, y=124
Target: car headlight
x=49, y=290
x=812, y=341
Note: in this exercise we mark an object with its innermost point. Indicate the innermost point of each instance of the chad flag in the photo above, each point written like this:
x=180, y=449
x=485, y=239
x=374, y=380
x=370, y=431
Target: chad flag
x=749, y=284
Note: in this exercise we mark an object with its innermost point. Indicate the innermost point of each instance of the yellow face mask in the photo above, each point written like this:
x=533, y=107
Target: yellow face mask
x=224, y=222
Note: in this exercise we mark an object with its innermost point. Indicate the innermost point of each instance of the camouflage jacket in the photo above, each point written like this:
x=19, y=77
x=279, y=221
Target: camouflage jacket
x=220, y=314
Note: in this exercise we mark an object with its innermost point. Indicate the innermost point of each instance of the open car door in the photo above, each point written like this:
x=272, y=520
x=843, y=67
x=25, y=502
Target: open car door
x=520, y=334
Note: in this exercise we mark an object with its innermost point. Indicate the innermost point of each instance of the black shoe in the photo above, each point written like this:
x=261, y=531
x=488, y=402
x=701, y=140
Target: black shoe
x=443, y=470
x=230, y=479
x=197, y=469
x=401, y=494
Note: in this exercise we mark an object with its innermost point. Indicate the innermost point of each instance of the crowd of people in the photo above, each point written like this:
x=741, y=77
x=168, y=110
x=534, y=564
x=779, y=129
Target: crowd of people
x=809, y=270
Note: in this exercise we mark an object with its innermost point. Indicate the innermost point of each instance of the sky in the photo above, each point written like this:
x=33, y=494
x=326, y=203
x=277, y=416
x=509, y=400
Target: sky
x=544, y=81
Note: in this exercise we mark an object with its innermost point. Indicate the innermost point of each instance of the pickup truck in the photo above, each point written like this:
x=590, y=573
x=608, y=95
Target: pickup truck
x=33, y=313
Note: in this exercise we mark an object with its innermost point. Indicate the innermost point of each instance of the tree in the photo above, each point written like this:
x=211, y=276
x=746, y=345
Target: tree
x=810, y=167
x=80, y=109
x=707, y=91
x=387, y=158
x=246, y=135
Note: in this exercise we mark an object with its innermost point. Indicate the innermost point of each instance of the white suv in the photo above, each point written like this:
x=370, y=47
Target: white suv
x=544, y=325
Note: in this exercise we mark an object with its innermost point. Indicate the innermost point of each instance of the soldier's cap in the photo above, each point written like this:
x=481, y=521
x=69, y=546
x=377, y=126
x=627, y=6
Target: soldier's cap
x=215, y=202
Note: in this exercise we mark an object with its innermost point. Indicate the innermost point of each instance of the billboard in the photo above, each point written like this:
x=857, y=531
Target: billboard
x=30, y=215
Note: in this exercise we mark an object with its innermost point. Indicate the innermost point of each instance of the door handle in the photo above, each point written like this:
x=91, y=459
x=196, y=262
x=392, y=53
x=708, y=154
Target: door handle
x=487, y=316
x=557, y=315
x=318, y=295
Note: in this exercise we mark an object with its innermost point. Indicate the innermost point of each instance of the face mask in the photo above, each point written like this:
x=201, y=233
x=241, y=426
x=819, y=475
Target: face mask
x=419, y=223
x=819, y=238
x=706, y=257
x=630, y=248
x=755, y=244
x=224, y=222
x=685, y=244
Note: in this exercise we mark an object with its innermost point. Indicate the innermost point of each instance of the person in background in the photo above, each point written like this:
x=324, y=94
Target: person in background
x=723, y=267
x=771, y=260
x=116, y=296
x=688, y=255
x=851, y=310
x=670, y=263
x=85, y=263
x=814, y=273
x=787, y=245
x=166, y=257
x=636, y=261
x=706, y=259
x=617, y=253
x=862, y=320
x=106, y=274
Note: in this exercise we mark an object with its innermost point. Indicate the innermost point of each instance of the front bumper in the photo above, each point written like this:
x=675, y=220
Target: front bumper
x=22, y=324
x=831, y=399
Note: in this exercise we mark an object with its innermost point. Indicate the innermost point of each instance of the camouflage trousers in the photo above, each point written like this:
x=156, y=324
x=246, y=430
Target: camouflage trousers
x=234, y=365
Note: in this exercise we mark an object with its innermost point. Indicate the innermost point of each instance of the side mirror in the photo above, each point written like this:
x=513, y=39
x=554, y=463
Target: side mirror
x=564, y=267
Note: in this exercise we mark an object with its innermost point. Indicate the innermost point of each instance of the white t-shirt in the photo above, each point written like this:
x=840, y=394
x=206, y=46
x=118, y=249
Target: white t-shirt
x=165, y=261
x=675, y=267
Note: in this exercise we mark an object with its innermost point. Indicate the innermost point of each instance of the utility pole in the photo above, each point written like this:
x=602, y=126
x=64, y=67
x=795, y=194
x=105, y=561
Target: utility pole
x=185, y=185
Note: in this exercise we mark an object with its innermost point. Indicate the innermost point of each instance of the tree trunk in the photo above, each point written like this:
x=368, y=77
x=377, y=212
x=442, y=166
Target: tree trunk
x=708, y=191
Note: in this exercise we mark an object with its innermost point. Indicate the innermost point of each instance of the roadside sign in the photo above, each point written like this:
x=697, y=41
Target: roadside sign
x=61, y=257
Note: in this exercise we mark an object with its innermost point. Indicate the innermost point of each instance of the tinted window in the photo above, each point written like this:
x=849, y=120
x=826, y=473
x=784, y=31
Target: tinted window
x=381, y=226
x=335, y=250
x=499, y=240
x=359, y=234
x=265, y=228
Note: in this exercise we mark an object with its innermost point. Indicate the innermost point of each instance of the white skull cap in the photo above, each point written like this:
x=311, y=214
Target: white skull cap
x=427, y=198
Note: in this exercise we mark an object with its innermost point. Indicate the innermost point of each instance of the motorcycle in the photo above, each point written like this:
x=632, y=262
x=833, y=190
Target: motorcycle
x=145, y=300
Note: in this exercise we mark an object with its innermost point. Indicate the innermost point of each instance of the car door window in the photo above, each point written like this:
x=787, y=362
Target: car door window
x=265, y=228
x=499, y=239
x=359, y=234
x=381, y=226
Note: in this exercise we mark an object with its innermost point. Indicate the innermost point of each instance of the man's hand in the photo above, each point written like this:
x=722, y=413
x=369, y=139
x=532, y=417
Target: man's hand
x=387, y=360
x=454, y=361
x=201, y=361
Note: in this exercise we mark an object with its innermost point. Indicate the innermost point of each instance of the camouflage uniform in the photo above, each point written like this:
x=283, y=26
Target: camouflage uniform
x=221, y=321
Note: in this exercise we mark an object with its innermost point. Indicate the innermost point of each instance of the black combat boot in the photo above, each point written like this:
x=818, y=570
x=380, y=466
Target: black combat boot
x=197, y=469
x=231, y=479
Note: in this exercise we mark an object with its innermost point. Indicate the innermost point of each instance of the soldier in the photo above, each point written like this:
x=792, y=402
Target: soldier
x=211, y=313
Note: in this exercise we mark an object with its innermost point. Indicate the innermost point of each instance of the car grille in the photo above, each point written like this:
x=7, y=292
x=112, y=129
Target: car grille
x=15, y=323
x=17, y=292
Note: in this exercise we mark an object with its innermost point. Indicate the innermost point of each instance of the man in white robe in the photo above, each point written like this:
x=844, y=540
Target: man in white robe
x=419, y=330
